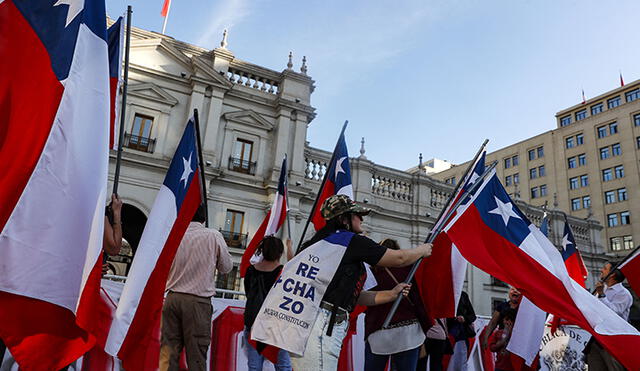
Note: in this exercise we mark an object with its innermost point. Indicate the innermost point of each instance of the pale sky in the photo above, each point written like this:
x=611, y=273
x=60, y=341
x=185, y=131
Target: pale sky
x=427, y=76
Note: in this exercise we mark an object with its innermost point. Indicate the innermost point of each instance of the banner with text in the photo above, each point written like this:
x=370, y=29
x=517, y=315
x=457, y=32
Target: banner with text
x=291, y=307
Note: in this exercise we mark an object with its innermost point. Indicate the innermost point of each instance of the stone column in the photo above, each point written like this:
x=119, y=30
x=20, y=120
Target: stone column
x=212, y=141
x=281, y=141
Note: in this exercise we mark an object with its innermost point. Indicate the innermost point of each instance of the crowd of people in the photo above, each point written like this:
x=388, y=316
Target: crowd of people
x=411, y=341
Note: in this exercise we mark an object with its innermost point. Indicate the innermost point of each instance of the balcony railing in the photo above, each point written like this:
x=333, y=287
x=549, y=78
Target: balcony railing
x=242, y=166
x=234, y=239
x=139, y=143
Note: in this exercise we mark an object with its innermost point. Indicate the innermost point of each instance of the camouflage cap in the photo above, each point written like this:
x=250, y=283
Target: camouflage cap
x=341, y=204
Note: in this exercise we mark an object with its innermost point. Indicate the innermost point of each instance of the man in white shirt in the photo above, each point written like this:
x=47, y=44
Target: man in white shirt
x=615, y=296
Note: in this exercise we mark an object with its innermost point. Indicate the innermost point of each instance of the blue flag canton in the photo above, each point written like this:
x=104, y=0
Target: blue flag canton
x=476, y=173
x=499, y=213
x=340, y=238
x=282, y=181
x=57, y=22
x=568, y=242
x=339, y=170
x=113, y=41
x=184, y=165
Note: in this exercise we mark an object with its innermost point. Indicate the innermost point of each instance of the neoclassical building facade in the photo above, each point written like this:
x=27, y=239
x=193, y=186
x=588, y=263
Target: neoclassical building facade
x=250, y=117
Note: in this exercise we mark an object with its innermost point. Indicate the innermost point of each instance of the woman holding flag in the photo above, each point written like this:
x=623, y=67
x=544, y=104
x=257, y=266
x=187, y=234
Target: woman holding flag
x=345, y=290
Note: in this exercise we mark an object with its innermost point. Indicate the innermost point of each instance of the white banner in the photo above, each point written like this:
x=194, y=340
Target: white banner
x=291, y=307
x=563, y=351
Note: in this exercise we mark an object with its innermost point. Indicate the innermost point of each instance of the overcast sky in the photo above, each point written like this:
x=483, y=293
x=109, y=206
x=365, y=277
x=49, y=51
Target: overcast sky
x=427, y=76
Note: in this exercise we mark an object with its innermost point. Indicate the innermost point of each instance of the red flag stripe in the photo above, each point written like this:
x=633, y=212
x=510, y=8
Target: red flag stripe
x=134, y=349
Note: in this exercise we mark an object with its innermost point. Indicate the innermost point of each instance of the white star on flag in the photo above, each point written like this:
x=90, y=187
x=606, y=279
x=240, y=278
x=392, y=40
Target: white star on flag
x=187, y=170
x=75, y=7
x=565, y=241
x=339, y=166
x=505, y=210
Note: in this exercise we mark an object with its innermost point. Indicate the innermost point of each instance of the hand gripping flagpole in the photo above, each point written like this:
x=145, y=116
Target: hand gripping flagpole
x=125, y=82
x=324, y=181
x=444, y=216
x=201, y=161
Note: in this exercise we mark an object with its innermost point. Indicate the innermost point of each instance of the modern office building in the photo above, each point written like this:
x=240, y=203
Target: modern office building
x=588, y=166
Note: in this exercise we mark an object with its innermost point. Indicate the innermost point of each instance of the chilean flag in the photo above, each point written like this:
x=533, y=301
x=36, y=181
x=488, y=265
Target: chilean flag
x=494, y=235
x=54, y=110
x=272, y=222
x=115, y=38
x=338, y=180
x=630, y=266
x=572, y=258
x=140, y=306
x=440, y=277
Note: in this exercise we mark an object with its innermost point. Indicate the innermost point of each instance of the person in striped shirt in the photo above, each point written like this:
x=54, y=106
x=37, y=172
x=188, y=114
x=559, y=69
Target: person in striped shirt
x=187, y=309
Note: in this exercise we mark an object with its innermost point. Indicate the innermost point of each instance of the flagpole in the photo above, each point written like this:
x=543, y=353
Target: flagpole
x=461, y=183
x=125, y=82
x=202, y=165
x=324, y=181
x=164, y=24
x=439, y=224
x=286, y=197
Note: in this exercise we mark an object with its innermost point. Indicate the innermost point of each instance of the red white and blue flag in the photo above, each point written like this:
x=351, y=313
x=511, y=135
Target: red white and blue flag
x=54, y=110
x=630, y=266
x=140, y=306
x=572, y=258
x=115, y=38
x=338, y=180
x=495, y=236
x=441, y=276
x=272, y=222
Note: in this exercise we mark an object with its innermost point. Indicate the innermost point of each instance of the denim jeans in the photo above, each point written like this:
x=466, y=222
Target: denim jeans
x=403, y=361
x=458, y=361
x=255, y=360
x=322, y=351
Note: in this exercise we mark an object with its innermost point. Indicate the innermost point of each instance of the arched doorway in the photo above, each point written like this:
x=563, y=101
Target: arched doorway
x=133, y=222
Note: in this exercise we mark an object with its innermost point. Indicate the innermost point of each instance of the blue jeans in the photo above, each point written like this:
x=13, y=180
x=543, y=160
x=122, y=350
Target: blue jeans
x=403, y=361
x=322, y=351
x=255, y=360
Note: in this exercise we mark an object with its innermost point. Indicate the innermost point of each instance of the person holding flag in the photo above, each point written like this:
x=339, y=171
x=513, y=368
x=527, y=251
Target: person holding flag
x=270, y=225
x=306, y=311
x=611, y=293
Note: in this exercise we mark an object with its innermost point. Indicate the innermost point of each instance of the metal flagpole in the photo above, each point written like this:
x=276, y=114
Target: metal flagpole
x=166, y=17
x=201, y=161
x=440, y=221
x=324, y=181
x=125, y=82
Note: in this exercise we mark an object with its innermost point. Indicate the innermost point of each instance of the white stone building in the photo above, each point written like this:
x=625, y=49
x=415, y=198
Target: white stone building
x=250, y=117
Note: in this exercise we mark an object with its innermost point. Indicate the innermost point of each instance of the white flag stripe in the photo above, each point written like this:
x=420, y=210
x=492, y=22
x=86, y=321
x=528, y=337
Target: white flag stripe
x=159, y=224
x=66, y=190
x=527, y=332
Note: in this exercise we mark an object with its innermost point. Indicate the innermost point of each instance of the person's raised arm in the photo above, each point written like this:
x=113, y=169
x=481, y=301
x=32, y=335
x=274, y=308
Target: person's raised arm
x=404, y=257
x=290, y=253
x=493, y=323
